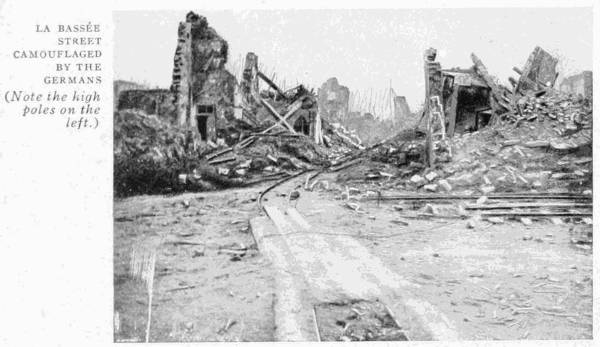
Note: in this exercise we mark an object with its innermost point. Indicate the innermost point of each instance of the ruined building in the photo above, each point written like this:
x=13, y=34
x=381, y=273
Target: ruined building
x=580, y=84
x=401, y=108
x=539, y=71
x=333, y=100
x=206, y=97
x=466, y=100
x=470, y=98
x=203, y=88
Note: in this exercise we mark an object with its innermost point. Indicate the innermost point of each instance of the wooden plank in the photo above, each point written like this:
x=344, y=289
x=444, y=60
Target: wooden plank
x=221, y=161
x=271, y=84
x=278, y=218
x=277, y=115
x=292, y=109
x=496, y=92
x=452, y=112
x=217, y=154
x=292, y=314
x=297, y=218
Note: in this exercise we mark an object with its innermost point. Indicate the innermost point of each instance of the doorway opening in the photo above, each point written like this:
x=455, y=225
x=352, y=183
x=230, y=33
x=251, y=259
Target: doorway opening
x=203, y=112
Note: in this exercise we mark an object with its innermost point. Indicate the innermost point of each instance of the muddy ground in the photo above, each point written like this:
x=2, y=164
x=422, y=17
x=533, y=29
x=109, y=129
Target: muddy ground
x=495, y=281
x=205, y=289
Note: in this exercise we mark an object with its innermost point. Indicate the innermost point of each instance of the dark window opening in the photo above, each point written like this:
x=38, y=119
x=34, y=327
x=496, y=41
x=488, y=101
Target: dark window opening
x=205, y=109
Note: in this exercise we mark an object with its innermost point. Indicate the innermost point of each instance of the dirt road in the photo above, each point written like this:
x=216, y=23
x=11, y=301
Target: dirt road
x=504, y=281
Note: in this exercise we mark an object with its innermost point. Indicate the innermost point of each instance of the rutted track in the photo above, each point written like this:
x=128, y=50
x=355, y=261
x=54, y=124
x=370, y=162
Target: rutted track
x=316, y=267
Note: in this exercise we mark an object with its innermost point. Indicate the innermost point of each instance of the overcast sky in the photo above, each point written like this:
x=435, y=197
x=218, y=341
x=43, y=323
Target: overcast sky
x=364, y=49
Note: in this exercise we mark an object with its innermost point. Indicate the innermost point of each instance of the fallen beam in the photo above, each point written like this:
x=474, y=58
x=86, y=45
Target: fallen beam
x=221, y=161
x=218, y=154
x=277, y=115
x=292, y=109
x=271, y=84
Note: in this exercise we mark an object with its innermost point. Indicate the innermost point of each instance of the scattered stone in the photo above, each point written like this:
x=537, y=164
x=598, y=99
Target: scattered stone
x=495, y=220
x=471, y=224
x=245, y=164
x=587, y=220
x=487, y=189
x=559, y=175
x=511, y=142
x=486, y=180
x=431, y=176
x=417, y=180
x=430, y=187
x=463, y=180
x=429, y=209
x=444, y=185
x=527, y=237
x=526, y=221
x=556, y=221
x=538, y=143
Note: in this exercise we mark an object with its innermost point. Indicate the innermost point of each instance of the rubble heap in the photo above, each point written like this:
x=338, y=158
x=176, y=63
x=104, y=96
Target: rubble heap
x=545, y=145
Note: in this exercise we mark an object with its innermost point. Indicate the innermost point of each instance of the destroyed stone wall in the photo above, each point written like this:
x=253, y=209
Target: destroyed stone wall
x=401, y=109
x=580, y=84
x=121, y=86
x=333, y=100
x=151, y=101
x=539, y=71
x=249, y=83
x=199, y=75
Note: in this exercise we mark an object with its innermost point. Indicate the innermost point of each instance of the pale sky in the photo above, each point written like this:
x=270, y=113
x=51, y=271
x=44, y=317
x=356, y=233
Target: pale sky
x=364, y=49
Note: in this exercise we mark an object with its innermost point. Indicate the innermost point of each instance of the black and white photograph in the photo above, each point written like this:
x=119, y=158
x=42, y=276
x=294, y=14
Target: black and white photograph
x=353, y=175
x=191, y=172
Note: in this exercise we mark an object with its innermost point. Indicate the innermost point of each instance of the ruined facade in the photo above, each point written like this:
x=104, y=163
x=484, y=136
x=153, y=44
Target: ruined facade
x=401, y=109
x=580, y=84
x=465, y=97
x=249, y=83
x=151, y=101
x=204, y=96
x=333, y=100
x=203, y=89
x=539, y=71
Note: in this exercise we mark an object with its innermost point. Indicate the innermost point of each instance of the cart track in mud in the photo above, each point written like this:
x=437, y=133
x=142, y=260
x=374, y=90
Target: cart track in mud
x=317, y=267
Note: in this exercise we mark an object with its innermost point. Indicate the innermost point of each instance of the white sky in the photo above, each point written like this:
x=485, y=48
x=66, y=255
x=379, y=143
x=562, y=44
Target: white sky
x=364, y=49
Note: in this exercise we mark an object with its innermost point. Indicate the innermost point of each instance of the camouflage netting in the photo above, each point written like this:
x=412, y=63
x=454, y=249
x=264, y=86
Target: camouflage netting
x=149, y=152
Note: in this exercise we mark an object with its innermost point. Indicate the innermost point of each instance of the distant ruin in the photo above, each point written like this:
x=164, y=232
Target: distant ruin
x=580, y=84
